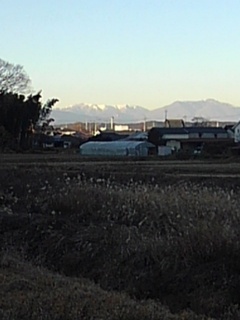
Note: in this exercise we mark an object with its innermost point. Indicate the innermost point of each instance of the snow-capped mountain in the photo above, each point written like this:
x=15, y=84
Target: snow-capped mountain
x=209, y=109
x=100, y=113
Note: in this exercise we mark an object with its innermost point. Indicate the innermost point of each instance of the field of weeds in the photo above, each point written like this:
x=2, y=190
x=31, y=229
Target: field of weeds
x=118, y=240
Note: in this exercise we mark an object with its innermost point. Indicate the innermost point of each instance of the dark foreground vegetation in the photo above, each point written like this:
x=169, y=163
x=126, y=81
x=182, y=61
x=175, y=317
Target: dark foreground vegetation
x=118, y=240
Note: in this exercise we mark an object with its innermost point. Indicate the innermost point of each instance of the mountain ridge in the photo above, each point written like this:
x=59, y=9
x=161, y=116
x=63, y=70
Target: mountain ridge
x=210, y=109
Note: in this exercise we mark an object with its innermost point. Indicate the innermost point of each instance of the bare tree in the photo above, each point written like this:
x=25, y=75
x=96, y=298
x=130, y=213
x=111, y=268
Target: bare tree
x=13, y=78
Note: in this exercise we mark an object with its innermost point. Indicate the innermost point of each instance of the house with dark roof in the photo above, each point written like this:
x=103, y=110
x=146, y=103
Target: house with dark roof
x=108, y=136
x=188, y=137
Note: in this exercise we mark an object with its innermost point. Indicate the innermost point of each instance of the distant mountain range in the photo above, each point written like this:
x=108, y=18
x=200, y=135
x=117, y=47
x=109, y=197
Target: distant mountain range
x=210, y=109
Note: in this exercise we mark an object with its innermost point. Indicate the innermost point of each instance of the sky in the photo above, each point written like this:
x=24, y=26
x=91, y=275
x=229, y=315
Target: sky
x=137, y=52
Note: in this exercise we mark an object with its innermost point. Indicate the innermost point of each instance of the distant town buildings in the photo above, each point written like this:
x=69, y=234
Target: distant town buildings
x=160, y=138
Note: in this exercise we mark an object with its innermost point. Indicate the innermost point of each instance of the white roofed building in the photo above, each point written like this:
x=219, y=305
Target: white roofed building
x=116, y=148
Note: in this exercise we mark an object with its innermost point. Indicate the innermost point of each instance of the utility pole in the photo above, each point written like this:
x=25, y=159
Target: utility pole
x=144, y=125
x=185, y=120
x=165, y=114
x=112, y=123
x=95, y=128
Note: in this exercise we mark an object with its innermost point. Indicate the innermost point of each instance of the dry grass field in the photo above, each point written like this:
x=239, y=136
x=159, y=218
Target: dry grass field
x=118, y=239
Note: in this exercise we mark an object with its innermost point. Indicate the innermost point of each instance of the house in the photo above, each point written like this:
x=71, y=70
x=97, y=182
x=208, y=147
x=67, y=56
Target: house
x=187, y=137
x=137, y=136
x=234, y=131
x=46, y=141
x=72, y=141
x=108, y=136
x=160, y=136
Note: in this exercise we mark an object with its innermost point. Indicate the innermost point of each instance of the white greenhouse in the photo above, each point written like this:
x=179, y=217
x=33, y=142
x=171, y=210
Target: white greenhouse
x=116, y=148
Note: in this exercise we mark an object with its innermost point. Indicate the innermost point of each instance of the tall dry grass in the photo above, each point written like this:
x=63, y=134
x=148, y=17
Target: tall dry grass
x=177, y=244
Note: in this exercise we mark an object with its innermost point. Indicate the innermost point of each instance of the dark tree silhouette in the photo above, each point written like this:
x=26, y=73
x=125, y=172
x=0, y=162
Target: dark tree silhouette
x=13, y=78
x=19, y=116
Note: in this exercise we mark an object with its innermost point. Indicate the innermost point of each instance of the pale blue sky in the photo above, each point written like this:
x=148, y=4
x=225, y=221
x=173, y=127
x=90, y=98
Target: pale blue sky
x=140, y=52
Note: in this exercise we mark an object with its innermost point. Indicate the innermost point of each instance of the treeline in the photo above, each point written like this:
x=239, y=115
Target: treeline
x=20, y=114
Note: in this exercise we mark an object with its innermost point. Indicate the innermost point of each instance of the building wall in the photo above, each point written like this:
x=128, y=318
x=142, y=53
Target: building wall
x=193, y=135
x=174, y=144
x=164, y=150
x=222, y=135
x=208, y=135
x=175, y=136
x=121, y=127
x=237, y=133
